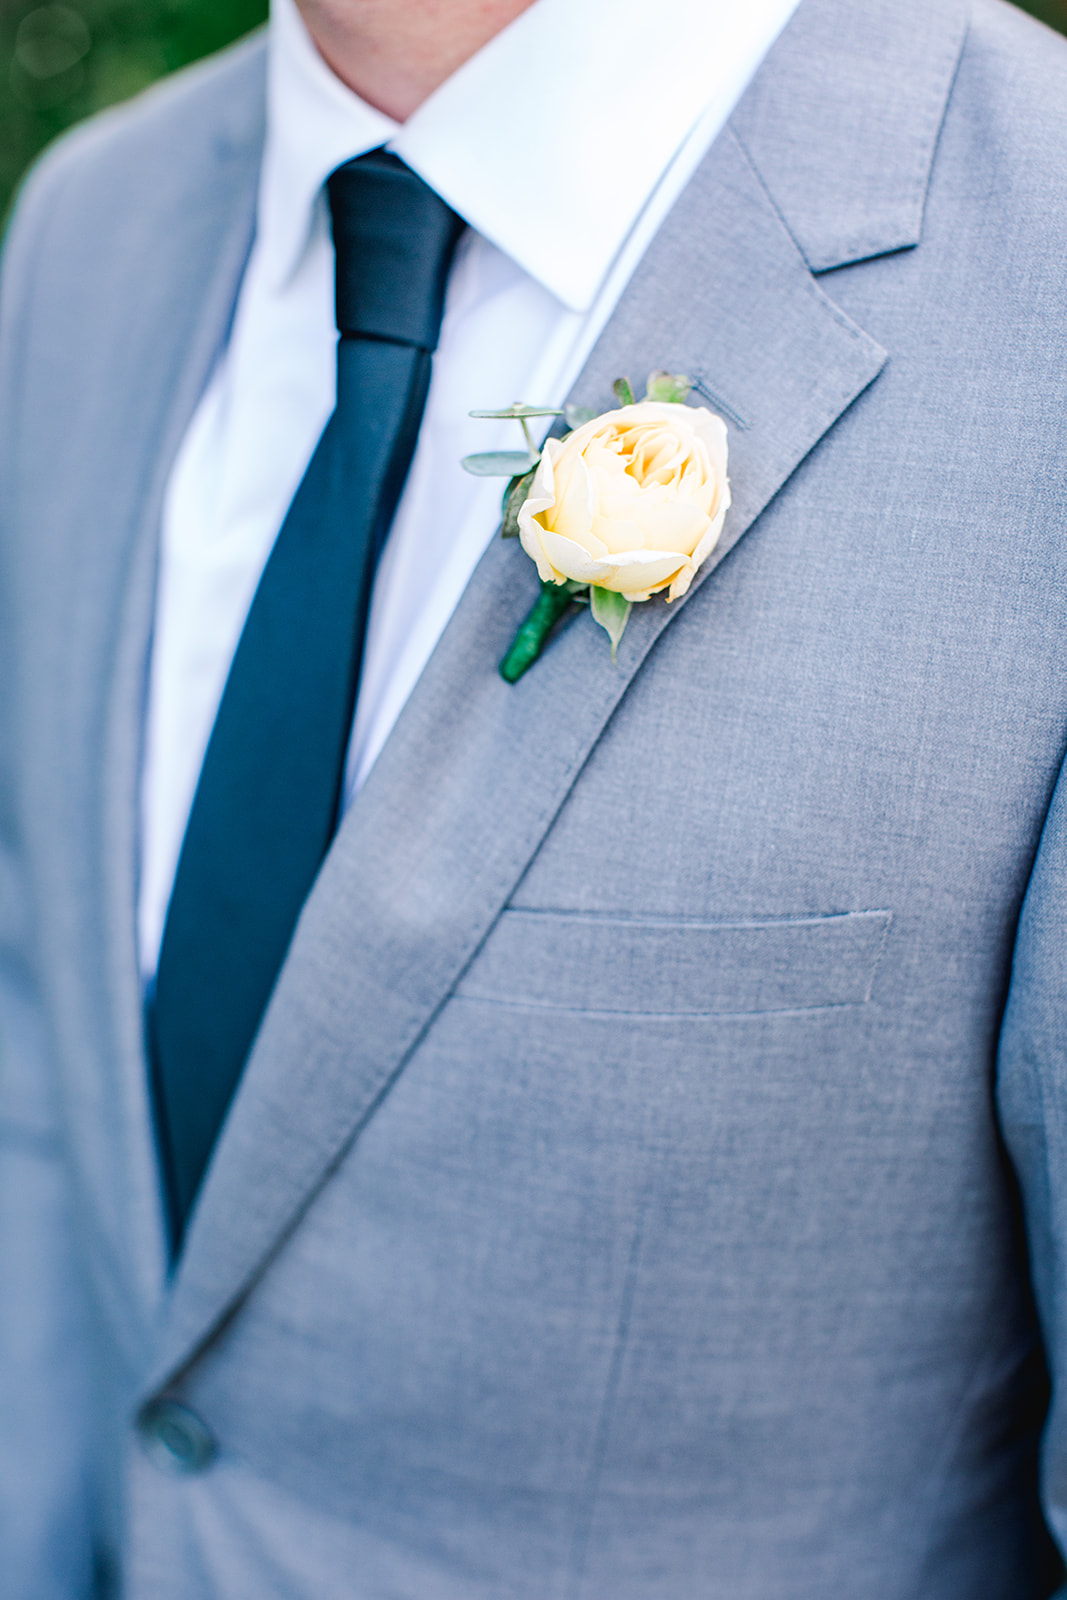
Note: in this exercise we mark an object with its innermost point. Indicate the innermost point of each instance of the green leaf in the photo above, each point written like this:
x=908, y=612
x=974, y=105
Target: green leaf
x=577, y=416
x=612, y=611
x=671, y=388
x=624, y=392
x=500, y=463
x=516, y=412
x=528, y=643
x=514, y=498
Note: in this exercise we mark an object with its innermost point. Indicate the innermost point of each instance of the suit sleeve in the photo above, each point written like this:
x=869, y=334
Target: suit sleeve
x=1032, y=1103
x=45, y=1541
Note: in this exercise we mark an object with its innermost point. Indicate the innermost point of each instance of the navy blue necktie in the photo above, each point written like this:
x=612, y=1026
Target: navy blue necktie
x=267, y=801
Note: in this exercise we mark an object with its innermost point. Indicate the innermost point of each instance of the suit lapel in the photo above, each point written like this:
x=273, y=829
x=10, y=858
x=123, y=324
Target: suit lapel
x=475, y=770
x=205, y=234
x=844, y=118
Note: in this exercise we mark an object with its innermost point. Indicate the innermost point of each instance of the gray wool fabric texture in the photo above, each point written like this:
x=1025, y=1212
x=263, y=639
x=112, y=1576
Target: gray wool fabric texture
x=622, y=1200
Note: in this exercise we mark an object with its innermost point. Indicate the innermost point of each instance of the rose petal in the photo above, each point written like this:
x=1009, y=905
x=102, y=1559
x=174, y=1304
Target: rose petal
x=711, y=537
x=617, y=535
x=669, y=525
x=638, y=574
x=571, y=559
x=574, y=510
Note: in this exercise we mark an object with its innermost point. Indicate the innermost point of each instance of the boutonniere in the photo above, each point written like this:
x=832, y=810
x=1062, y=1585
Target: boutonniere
x=625, y=505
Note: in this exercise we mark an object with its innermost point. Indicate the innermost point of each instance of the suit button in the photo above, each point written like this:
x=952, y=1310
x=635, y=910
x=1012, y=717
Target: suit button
x=175, y=1438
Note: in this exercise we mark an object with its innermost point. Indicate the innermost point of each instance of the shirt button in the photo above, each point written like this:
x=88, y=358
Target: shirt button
x=175, y=1438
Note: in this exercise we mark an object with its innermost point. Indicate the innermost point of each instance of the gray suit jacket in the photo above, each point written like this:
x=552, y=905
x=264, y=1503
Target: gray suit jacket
x=620, y=1202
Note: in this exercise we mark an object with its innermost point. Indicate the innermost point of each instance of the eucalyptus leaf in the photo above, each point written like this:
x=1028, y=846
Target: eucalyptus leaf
x=516, y=412
x=624, y=391
x=671, y=388
x=500, y=463
x=577, y=416
x=514, y=498
x=612, y=611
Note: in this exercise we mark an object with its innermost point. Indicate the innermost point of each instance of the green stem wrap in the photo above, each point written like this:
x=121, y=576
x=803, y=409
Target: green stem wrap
x=532, y=636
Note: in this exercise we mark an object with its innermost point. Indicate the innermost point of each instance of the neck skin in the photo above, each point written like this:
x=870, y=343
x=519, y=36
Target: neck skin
x=395, y=53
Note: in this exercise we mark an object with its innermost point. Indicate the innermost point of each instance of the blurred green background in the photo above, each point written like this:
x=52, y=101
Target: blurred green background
x=62, y=61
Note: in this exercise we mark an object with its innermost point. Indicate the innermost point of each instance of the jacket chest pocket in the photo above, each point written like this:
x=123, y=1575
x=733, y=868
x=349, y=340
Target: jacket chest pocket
x=647, y=966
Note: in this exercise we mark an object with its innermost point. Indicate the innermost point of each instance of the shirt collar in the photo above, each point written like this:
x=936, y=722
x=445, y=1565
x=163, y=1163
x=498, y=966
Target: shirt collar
x=314, y=123
x=549, y=141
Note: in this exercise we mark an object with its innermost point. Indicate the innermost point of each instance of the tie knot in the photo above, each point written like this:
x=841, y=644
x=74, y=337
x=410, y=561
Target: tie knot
x=394, y=239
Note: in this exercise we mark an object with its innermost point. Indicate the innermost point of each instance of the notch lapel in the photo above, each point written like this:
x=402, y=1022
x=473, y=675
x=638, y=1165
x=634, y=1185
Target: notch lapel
x=475, y=770
x=186, y=260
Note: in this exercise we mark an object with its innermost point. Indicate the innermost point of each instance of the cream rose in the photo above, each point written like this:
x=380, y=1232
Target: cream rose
x=633, y=501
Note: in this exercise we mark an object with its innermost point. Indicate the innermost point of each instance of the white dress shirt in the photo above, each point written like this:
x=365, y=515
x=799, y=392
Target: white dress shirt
x=563, y=144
